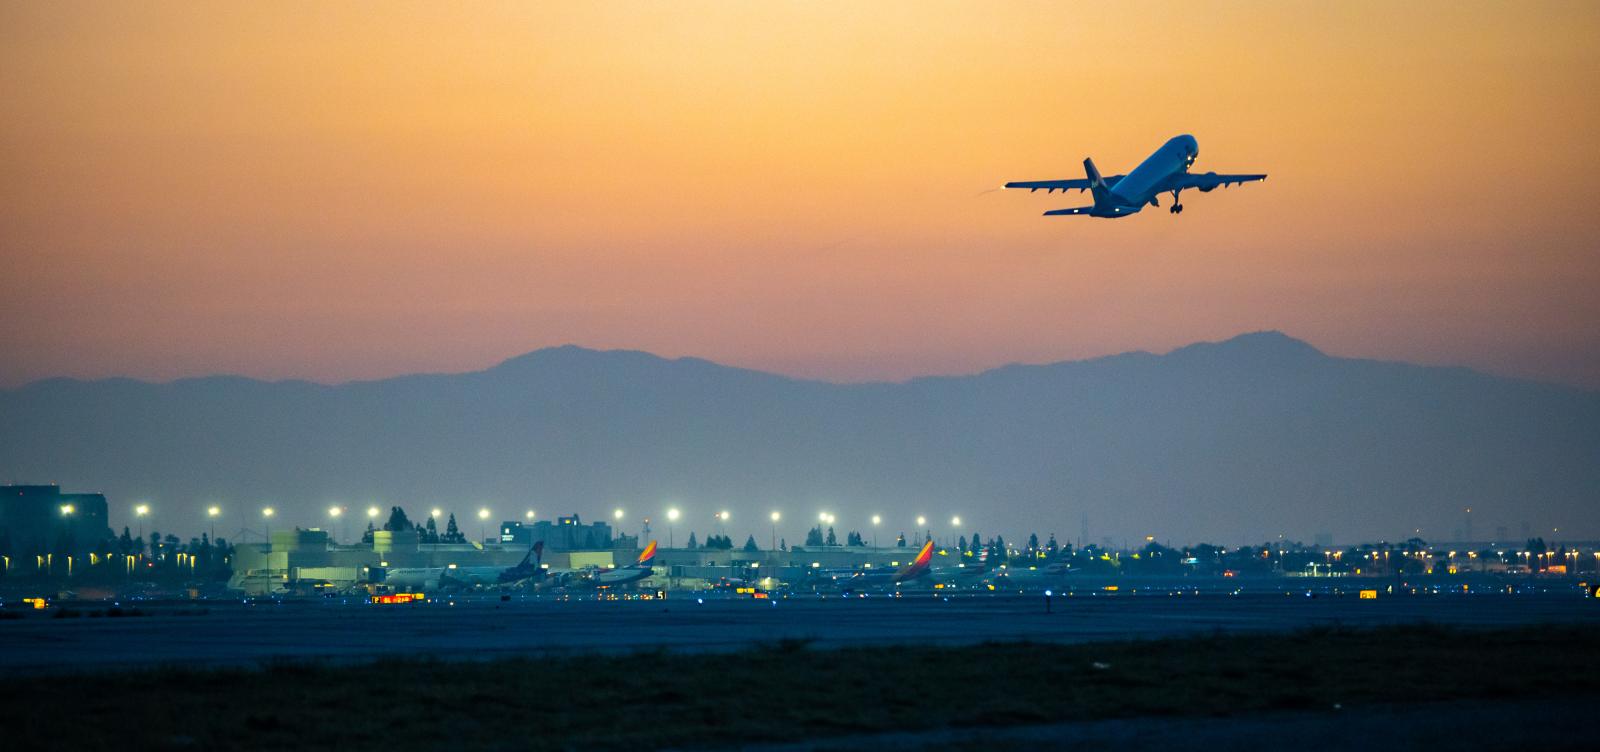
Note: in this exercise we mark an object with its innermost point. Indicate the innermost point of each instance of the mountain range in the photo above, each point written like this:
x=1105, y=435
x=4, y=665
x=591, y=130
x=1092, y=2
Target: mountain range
x=1244, y=440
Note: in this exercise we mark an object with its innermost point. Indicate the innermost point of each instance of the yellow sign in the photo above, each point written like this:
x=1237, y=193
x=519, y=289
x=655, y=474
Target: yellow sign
x=1369, y=595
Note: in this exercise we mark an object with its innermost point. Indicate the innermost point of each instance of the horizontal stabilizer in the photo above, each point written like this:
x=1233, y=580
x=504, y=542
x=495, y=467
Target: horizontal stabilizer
x=1074, y=210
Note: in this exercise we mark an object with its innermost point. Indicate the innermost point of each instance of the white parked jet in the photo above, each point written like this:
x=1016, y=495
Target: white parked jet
x=1166, y=171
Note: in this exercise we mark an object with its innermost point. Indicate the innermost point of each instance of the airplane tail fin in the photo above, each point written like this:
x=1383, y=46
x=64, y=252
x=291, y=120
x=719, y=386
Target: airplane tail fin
x=919, y=565
x=648, y=554
x=535, y=550
x=1097, y=184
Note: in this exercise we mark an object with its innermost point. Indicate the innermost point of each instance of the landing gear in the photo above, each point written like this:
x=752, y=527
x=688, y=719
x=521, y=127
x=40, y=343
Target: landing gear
x=1177, y=208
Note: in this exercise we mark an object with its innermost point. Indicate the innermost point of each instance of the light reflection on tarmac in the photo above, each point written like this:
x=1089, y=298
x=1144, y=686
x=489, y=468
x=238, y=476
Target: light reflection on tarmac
x=224, y=633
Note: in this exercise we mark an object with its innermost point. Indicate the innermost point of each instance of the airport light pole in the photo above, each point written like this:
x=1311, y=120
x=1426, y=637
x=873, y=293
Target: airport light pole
x=336, y=514
x=211, y=514
x=266, y=516
x=775, y=517
x=876, y=521
x=66, y=514
x=672, y=517
x=955, y=523
x=921, y=525
x=483, y=521
x=139, y=513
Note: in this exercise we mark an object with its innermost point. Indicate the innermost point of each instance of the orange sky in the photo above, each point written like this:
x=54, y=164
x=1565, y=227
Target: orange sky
x=351, y=191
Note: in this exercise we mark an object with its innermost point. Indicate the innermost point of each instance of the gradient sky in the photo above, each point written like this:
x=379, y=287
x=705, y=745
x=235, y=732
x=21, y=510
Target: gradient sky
x=337, y=191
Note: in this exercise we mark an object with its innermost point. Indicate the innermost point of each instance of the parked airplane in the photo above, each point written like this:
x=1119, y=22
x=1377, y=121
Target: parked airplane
x=605, y=578
x=1165, y=171
x=427, y=578
x=963, y=575
x=1049, y=576
x=528, y=569
x=918, y=568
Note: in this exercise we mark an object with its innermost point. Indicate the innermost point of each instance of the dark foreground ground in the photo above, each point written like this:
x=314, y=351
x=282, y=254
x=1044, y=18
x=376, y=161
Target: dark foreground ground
x=235, y=633
x=1319, y=688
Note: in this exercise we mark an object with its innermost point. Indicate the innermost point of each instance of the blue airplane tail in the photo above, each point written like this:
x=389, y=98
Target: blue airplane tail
x=1097, y=184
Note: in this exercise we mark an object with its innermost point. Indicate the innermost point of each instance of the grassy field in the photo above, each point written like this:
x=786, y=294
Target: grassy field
x=783, y=692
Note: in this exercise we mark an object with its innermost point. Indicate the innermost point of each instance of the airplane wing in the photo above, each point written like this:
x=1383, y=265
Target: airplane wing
x=1051, y=186
x=1208, y=181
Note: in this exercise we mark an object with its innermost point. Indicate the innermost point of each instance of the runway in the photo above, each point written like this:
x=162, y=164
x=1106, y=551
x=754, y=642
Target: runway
x=235, y=633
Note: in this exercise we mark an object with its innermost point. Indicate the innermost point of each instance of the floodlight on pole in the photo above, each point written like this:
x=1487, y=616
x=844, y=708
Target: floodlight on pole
x=139, y=513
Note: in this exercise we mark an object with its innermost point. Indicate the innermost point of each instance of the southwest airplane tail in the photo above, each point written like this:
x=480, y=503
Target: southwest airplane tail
x=646, y=555
x=917, y=567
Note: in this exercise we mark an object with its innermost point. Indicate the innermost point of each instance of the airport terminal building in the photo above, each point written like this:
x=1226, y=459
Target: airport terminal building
x=40, y=519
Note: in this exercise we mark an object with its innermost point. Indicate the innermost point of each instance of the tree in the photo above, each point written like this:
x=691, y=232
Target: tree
x=783, y=544
x=432, y=531
x=125, y=543
x=1033, y=542
x=900, y=542
x=692, y=543
x=814, y=536
x=452, y=534
x=832, y=541
x=1051, y=547
x=750, y=544
x=367, y=536
x=961, y=544
x=398, y=522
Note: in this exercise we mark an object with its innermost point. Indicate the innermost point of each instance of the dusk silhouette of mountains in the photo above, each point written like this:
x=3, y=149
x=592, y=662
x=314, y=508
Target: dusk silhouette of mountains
x=1236, y=441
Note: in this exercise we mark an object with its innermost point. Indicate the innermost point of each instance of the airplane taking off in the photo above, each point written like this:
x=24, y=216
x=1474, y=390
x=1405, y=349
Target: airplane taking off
x=1166, y=171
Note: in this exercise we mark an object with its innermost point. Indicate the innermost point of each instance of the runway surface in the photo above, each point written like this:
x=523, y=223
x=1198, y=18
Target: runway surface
x=236, y=633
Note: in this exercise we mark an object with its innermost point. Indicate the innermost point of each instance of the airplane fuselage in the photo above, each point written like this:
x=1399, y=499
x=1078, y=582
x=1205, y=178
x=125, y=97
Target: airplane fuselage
x=1153, y=175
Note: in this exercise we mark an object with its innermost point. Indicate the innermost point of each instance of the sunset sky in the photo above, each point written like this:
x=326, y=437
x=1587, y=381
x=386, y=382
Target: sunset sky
x=340, y=191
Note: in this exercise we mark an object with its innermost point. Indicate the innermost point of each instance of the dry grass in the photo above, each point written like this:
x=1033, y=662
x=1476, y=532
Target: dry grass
x=782, y=692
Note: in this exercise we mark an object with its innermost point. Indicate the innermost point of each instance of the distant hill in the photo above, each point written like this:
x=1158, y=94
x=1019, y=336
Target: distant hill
x=1233, y=441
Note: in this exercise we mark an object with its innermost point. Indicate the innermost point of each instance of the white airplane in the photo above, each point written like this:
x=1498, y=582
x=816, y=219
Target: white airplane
x=427, y=578
x=1166, y=171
